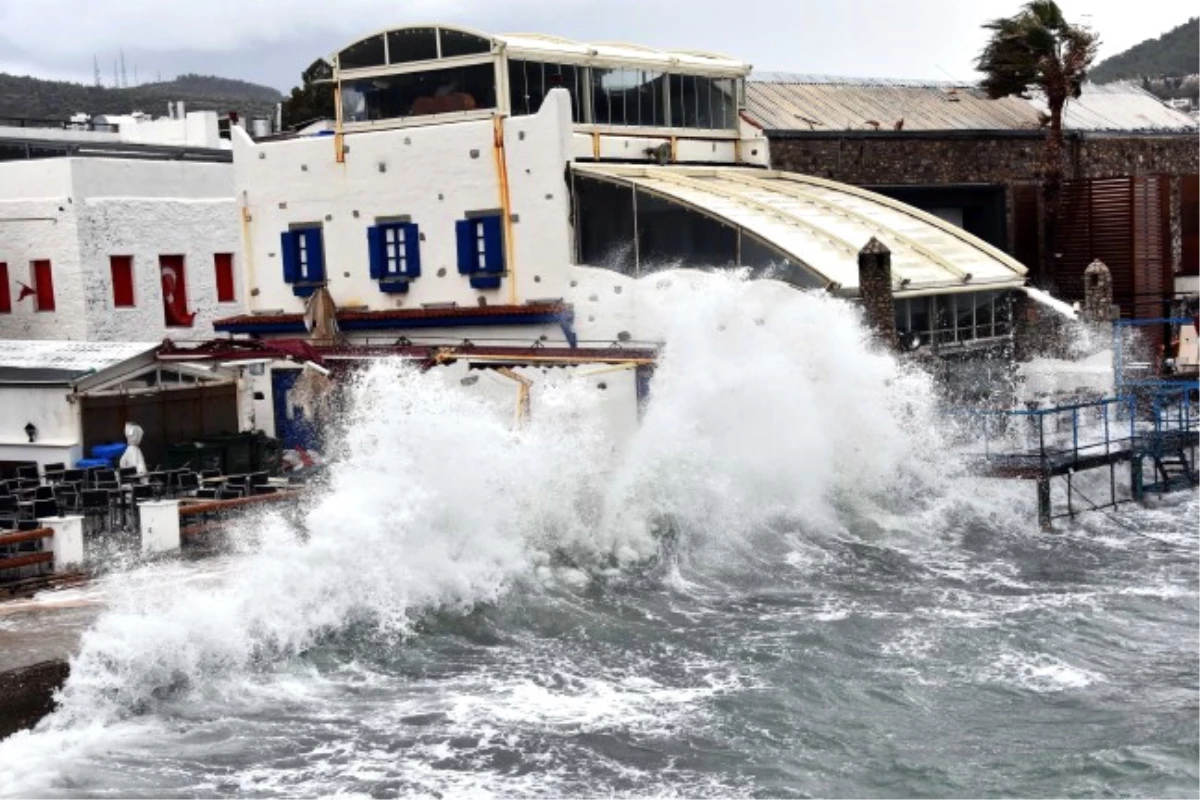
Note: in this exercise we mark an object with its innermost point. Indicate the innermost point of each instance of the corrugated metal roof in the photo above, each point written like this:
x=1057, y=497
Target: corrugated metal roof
x=65, y=358
x=823, y=225
x=808, y=103
x=786, y=102
x=1113, y=107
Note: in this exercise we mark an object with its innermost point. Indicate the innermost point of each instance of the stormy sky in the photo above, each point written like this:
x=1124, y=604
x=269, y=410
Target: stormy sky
x=270, y=41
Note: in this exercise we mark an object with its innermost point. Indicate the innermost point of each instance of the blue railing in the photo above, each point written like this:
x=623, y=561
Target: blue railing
x=1056, y=432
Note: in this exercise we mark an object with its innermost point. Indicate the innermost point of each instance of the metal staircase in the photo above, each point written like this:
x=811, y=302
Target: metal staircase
x=1175, y=471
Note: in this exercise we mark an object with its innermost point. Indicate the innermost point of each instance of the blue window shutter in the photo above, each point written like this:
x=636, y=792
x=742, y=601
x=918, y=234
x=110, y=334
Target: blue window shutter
x=465, y=230
x=493, y=244
x=485, y=282
x=412, y=250
x=316, y=256
x=377, y=253
x=291, y=264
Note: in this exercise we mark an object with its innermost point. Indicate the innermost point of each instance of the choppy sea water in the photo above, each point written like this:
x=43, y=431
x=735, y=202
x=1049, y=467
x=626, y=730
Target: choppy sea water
x=782, y=587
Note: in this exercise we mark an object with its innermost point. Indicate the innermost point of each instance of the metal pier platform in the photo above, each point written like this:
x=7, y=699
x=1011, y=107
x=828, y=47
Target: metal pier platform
x=1158, y=427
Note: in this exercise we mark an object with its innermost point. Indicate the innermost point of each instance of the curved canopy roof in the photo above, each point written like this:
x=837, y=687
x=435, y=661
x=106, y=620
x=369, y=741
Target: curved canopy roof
x=368, y=51
x=824, y=225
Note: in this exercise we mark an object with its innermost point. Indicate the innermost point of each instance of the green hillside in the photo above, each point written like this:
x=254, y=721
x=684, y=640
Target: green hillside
x=33, y=98
x=1174, y=54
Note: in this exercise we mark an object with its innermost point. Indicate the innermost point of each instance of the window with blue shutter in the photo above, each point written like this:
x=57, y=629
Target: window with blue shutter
x=303, y=254
x=395, y=254
x=481, y=250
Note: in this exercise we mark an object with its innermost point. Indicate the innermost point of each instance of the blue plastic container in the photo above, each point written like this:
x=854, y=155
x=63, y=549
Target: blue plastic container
x=109, y=452
x=84, y=463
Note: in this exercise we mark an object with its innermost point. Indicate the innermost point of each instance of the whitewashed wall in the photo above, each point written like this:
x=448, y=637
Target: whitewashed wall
x=145, y=209
x=434, y=175
x=195, y=129
x=77, y=212
x=38, y=221
x=59, y=432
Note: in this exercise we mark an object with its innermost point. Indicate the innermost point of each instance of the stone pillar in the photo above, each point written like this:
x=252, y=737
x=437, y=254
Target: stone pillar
x=1097, y=293
x=159, y=523
x=875, y=291
x=67, y=542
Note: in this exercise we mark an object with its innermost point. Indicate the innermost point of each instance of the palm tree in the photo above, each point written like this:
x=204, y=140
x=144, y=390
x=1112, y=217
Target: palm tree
x=1038, y=49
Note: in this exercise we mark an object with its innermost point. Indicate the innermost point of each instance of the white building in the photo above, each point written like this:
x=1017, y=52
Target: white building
x=509, y=190
x=60, y=398
x=107, y=133
x=136, y=247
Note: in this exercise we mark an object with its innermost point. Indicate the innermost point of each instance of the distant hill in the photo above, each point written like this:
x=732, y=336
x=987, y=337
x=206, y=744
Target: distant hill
x=33, y=98
x=1174, y=54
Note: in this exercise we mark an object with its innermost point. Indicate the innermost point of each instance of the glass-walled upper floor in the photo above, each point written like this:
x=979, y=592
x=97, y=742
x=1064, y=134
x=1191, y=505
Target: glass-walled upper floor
x=419, y=72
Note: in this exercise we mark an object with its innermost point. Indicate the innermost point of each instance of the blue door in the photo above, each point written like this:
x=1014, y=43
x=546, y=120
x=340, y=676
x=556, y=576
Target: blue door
x=292, y=428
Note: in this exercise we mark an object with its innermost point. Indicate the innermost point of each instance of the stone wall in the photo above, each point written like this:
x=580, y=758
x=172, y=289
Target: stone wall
x=1008, y=159
x=978, y=158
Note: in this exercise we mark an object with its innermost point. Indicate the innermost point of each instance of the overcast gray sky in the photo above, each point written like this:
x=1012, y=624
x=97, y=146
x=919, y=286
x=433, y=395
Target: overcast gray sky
x=271, y=41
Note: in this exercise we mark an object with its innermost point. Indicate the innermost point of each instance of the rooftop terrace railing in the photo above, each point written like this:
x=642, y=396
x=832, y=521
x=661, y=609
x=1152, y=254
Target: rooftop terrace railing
x=59, y=124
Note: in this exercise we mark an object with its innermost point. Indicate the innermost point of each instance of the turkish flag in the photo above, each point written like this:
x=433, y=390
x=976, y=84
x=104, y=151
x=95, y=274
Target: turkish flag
x=174, y=290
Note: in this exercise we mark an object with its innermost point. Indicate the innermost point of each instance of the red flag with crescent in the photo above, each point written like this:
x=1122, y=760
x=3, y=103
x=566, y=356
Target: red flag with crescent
x=174, y=289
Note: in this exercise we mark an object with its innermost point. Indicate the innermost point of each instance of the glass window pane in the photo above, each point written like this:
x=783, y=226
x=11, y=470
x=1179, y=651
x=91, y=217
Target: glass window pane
x=918, y=317
x=457, y=43
x=1002, y=314
x=412, y=44
x=365, y=53
x=724, y=103
x=417, y=94
x=770, y=263
x=983, y=313
x=965, y=317
x=671, y=235
x=604, y=225
x=901, y=314
x=530, y=81
x=626, y=96
x=944, y=327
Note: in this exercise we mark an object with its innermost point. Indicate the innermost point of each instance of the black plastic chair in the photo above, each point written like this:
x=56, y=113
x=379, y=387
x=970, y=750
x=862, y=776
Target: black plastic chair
x=28, y=472
x=28, y=525
x=231, y=492
x=95, y=505
x=45, y=508
x=74, y=476
x=8, y=506
x=67, y=497
x=43, y=493
x=188, y=483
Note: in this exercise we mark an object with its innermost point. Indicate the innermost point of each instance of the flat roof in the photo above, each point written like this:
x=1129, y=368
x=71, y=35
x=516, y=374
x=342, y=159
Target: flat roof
x=62, y=361
x=806, y=103
x=823, y=225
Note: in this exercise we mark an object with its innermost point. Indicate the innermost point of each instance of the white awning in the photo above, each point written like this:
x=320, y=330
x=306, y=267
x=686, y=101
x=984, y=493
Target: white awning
x=68, y=356
x=823, y=225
